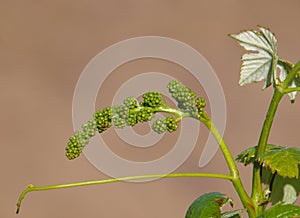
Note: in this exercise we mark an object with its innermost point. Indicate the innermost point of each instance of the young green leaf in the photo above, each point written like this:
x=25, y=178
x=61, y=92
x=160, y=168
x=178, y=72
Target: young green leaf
x=282, y=211
x=285, y=68
x=207, y=205
x=282, y=160
x=261, y=57
x=248, y=156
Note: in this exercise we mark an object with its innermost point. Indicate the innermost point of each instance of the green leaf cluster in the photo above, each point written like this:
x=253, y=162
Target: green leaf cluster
x=280, y=170
x=209, y=206
x=281, y=160
x=261, y=61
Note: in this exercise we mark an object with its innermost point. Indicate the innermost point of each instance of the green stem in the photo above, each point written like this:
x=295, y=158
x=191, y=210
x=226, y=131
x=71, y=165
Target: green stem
x=291, y=75
x=173, y=111
x=227, y=154
x=236, y=181
x=31, y=187
x=257, y=194
x=289, y=90
x=268, y=121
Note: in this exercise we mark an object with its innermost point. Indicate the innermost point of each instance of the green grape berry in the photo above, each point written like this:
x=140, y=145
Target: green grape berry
x=144, y=115
x=152, y=99
x=131, y=102
x=159, y=126
x=171, y=124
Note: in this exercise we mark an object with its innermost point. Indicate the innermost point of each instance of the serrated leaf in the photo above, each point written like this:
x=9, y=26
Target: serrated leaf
x=248, y=156
x=207, y=205
x=280, y=192
x=284, y=161
x=262, y=52
x=233, y=214
x=282, y=211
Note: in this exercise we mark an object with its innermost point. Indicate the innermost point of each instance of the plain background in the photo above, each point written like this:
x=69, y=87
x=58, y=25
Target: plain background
x=44, y=46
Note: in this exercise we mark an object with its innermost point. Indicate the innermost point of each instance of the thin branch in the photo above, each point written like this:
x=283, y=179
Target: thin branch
x=31, y=187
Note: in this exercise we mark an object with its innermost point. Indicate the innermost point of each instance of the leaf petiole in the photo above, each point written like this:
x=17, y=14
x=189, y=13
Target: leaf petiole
x=289, y=90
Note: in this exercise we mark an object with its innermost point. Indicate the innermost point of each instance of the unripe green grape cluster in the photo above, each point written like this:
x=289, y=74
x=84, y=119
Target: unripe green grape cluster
x=103, y=119
x=162, y=125
x=187, y=100
x=120, y=115
x=145, y=114
x=179, y=92
x=101, y=122
x=132, y=120
x=132, y=112
x=159, y=126
x=189, y=106
x=152, y=99
x=80, y=139
x=131, y=102
x=171, y=124
x=200, y=104
x=73, y=148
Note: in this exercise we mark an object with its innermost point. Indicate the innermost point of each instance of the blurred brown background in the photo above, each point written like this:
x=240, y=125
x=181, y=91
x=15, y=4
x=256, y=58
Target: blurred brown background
x=44, y=46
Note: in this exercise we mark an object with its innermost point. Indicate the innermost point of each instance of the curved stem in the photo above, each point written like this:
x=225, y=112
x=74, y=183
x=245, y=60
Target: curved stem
x=31, y=187
x=164, y=109
x=173, y=111
x=236, y=181
x=227, y=154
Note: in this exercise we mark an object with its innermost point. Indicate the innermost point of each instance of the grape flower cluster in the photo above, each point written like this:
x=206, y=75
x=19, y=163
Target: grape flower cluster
x=100, y=123
x=131, y=112
x=165, y=124
x=187, y=100
x=80, y=139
